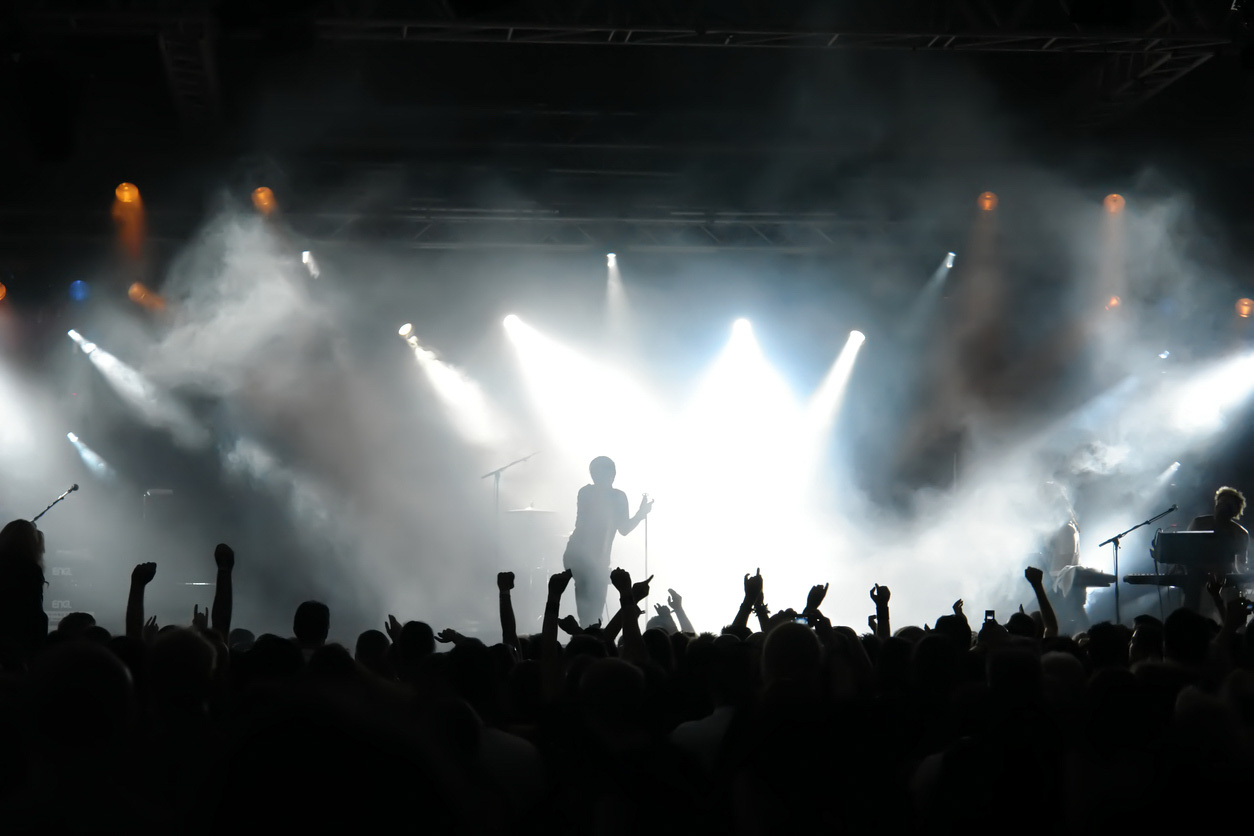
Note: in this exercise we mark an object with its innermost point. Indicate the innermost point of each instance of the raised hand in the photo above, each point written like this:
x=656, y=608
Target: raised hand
x=504, y=581
x=200, y=620
x=880, y=595
x=640, y=590
x=815, y=599
x=673, y=600
x=753, y=586
x=958, y=607
x=569, y=625
x=224, y=556
x=662, y=609
x=870, y=622
x=447, y=635
x=1035, y=576
x=143, y=573
x=393, y=628
x=621, y=580
x=558, y=583
x=150, y=630
x=646, y=505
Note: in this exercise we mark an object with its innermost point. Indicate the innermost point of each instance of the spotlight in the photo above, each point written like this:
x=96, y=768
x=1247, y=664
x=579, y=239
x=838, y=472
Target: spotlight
x=611, y=259
x=72, y=437
x=79, y=291
x=1164, y=355
x=742, y=328
x=1114, y=203
x=988, y=201
x=1113, y=302
x=949, y=261
x=87, y=347
x=4, y=291
x=1245, y=307
x=127, y=193
x=145, y=298
x=512, y=321
x=263, y=200
x=406, y=329
x=857, y=337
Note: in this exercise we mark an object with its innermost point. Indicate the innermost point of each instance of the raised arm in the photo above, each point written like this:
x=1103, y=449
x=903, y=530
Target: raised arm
x=509, y=628
x=676, y=603
x=550, y=655
x=752, y=600
x=883, y=626
x=1037, y=578
x=141, y=575
x=639, y=591
x=633, y=644
x=223, y=593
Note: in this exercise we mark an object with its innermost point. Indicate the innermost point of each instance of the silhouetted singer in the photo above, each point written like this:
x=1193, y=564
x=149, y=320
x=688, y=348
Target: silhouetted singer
x=602, y=512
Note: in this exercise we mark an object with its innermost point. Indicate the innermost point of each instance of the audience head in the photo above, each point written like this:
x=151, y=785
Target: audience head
x=312, y=624
x=791, y=655
x=1186, y=637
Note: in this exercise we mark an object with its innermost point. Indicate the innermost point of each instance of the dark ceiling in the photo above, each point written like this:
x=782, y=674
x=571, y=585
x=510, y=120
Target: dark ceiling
x=567, y=122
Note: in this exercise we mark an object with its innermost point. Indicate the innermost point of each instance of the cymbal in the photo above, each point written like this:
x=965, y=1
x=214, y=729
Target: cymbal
x=529, y=510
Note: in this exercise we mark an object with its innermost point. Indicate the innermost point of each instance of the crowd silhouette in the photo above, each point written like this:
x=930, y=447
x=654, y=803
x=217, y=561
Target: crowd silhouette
x=776, y=722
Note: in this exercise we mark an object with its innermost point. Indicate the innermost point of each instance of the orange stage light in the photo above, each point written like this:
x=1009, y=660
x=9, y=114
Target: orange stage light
x=127, y=193
x=1114, y=203
x=1113, y=302
x=144, y=297
x=988, y=201
x=1244, y=308
x=4, y=291
x=263, y=200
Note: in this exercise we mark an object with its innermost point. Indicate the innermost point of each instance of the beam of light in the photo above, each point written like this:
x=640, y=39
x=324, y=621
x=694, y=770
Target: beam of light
x=264, y=201
x=310, y=263
x=825, y=403
x=145, y=298
x=128, y=215
x=949, y=261
x=154, y=407
x=987, y=201
x=462, y=398
x=91, y=459
x=925, y=303
x=617, y=312
x=589, y=407
x=1167, y=474
x=1113, y=203
x=1244, y=307
x=1204, y=403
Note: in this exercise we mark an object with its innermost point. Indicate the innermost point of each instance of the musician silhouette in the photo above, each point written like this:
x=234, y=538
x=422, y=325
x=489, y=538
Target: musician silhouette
x=1229, y=505
x=602, y=512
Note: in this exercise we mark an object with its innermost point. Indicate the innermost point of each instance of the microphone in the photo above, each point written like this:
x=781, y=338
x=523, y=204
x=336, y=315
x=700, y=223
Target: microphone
x=73, y=488
x=1172, y=508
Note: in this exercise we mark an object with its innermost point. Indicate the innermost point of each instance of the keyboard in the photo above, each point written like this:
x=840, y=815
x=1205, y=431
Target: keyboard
x=1239, y=579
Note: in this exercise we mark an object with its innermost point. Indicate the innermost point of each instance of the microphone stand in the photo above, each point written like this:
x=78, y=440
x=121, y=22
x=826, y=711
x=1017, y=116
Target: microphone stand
x=496, y=500
x=54, y=502
x=1116, y=540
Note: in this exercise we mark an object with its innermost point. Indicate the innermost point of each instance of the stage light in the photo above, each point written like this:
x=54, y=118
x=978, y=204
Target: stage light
x=4, y=291
x=949, y=261
x=742, y=328
x=511, y=321
x=144, y=297
x=1206, y=399
x=1114, y=203
x=127, y=193
x=79, y=290
x=263, y=200
x=94, y=462
x=71, y=436
x=611, y=259
x=310, y=263
x=1164, y=354
x=825, y=404
x=1245, y=307
x=1113, y=302
x=406, y=329
x=462, y=398
x=87, y=346
x=988, y=201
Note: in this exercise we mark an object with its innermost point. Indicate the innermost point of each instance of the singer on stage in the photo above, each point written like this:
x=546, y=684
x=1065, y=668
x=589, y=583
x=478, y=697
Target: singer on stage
x=602, y=512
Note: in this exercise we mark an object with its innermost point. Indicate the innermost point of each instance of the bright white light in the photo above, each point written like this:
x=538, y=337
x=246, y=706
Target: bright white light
x=1164, y=355
x=87, y=347
x=461, y=397
x=406, y=329
x=825, y=404
x=742, y=328
x=949, y=261
x=97, y=465
x=1207, y=398
x=512, y=321
x=308, y=260
x=611, y=259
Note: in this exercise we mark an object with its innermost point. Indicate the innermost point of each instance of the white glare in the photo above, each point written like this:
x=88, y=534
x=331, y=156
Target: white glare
x=825, y=404
x=1207, y=398
x=512, y=321
x=90, y=458
x=406, y=329
x=949, y=261
x=307, y=259
x=72, y=437
x=1164, y=355
x=611, y=259
x=461, y=397
x=87, y=347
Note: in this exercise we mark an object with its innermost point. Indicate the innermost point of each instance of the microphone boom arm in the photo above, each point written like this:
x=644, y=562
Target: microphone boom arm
x=73, y=488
